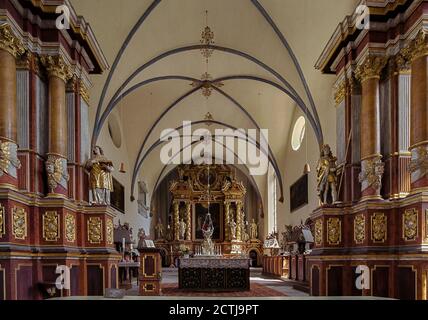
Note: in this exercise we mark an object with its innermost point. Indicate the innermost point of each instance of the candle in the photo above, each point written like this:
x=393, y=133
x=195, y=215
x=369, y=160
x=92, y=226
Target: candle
x=123, y=244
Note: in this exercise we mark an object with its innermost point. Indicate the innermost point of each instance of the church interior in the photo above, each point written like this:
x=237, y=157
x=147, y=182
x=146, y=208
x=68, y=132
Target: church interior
x=213, y=148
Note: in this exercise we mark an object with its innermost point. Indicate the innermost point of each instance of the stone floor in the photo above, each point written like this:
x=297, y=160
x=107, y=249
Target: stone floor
x=170, y=277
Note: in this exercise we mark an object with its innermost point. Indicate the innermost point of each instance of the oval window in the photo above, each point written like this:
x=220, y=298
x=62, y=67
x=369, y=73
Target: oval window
x=298, y=133
x=114, y=131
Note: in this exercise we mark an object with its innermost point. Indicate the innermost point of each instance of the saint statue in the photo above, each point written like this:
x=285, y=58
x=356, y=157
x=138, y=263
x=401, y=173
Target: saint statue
x=232, y=226
x=168, y=233
x=253, y=230
x=159, y=229
x=100, y=179
x=182, y=229
x=326, y=176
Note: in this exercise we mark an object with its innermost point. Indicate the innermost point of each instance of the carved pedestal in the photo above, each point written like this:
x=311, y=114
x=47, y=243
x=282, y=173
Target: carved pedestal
x=150, y=272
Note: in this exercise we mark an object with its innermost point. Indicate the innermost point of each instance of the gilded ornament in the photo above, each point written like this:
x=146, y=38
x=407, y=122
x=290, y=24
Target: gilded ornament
x=109, y=231
x=340, y=93
x=9, y=161
x=334, y=231
x=84, y=92
x=371, y=172
x=410, y=225
x=2, y=221
x=418, y=46
x=9, y=42
x=57, y=67
x=207, y=84
x=70, y=227
x=359, y=228
x=19, y=223
x=95, y=230
x=56, y=168
x=379, y=227
x=371, y=67
x=50, y=221
x=318, y=232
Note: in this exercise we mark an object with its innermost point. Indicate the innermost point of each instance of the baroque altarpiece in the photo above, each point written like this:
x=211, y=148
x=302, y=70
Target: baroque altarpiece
x=200, y=189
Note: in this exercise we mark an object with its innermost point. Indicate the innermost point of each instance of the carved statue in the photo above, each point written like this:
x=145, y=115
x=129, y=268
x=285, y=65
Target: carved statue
x=159, y=229
x=141, y=234
x=56, y=169
x=183, y=226
x=253, y=230
x=101, y=181
x=232, y=226
x=326, y=176
x=169, y=233
x=208, y=230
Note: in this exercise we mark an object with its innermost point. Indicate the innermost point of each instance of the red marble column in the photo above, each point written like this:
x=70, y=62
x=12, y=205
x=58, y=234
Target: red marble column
x=418, y=51
x=56, y=164
x=368, y=72
x=10, y=49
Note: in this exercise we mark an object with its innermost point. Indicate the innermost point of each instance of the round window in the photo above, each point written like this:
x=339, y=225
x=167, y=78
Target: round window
x=298, y=133
x=114, y=131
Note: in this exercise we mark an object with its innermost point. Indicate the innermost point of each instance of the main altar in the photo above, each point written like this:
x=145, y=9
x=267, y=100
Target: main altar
x=197, y=190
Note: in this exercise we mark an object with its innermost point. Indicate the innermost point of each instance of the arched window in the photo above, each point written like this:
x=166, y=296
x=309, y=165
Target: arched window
x=298, y=133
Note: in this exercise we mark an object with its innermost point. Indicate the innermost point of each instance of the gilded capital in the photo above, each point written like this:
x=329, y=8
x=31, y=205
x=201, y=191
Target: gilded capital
x=9, y=42
x=57, y=67
x=84, y=92
x=418, y=47
x=340, y=92
x=371, y=67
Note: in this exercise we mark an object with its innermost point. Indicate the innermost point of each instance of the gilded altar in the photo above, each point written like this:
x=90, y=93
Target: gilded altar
x=197, y=190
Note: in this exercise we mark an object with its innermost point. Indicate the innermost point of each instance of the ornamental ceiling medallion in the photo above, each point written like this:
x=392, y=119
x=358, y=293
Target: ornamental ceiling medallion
x=206, y=82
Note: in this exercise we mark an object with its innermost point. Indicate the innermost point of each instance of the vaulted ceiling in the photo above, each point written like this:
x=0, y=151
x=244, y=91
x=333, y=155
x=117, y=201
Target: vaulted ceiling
x=265, y=54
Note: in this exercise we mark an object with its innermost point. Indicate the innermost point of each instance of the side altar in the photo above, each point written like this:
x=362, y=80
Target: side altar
x=214, y=274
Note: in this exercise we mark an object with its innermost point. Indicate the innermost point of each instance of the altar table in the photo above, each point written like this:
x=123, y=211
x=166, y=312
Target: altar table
x=214, y=274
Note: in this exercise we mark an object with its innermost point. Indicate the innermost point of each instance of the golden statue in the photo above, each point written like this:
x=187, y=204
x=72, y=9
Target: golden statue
x=253, y=230
x=100, y=180
x=326, y=176
x=160, y=230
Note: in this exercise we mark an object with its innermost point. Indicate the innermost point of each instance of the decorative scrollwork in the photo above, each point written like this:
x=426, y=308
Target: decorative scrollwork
x=56, y=169
x=109, y=231
x=70, y=227
x=19, y=223
x=2, y=221
x=371, y=67
x=359, y=228
x=95, y=230
x=371, y=173
x=334, y=231
x=318, y=232
x=379, y=227
x=51, y=226
x=9, y=42
x=410, y=225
